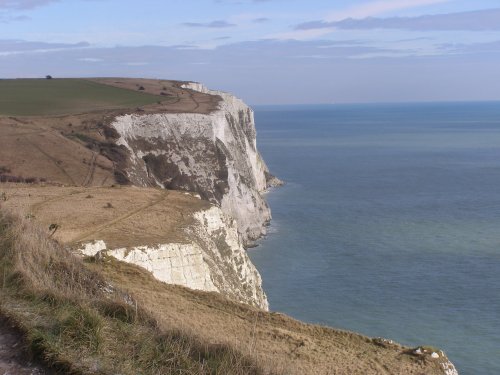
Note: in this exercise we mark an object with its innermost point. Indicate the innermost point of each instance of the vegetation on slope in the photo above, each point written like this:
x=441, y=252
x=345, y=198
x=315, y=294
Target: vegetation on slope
x=76, y=321
x=42, y=97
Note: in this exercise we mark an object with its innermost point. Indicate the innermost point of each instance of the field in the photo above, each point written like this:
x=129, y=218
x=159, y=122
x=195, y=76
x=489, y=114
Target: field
x=44, y=97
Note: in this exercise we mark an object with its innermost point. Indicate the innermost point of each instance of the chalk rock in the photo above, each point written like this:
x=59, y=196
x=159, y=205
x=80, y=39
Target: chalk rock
x=214, y=155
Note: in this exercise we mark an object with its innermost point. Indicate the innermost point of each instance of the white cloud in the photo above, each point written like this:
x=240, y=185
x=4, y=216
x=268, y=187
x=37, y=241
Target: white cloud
x=19, y=47
x=478, y=20
x=301, y=34
x=23, y=4
x=90, y=59
x=368, y=9
x=375, y=8
x=138, y=63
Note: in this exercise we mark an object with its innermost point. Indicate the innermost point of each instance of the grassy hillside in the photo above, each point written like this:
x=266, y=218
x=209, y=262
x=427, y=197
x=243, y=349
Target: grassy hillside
x=43, y=97
x=75, y=320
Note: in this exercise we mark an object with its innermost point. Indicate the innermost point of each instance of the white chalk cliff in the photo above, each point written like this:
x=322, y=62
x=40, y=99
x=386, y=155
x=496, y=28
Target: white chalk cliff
x=214, y=155
x=211, y=258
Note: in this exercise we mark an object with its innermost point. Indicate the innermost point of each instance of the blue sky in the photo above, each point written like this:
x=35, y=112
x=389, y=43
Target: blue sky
x=266, y=51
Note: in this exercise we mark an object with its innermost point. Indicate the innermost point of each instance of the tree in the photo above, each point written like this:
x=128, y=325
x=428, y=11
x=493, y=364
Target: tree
x=48, y=77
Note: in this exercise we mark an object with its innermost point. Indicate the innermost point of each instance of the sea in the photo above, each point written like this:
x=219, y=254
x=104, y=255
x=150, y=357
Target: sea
x=389, y=222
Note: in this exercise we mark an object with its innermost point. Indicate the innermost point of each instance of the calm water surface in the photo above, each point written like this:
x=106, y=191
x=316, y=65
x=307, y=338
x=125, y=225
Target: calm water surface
x=389, y=224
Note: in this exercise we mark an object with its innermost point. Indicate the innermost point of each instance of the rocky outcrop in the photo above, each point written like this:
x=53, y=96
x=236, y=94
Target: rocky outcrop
x=449, y=368
x=212, y=258
x=214, y=155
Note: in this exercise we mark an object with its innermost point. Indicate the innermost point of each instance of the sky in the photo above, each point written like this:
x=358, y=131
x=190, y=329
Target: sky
x=266, y=51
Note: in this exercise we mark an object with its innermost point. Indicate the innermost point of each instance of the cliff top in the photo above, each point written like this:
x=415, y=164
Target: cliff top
x=120, y=216
x=59, y=97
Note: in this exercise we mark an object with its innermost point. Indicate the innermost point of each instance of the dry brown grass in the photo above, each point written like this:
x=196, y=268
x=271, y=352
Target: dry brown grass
x=276, y=341
x=76, y=321
x=136, y=217
x=36, y=148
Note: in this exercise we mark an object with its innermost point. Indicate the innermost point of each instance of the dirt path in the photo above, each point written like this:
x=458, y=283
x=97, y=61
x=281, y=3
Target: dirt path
x=13, y=359
x=35, y=207
x=129, y=214
x=55, y=162
x=89, y=178
x=197, y=104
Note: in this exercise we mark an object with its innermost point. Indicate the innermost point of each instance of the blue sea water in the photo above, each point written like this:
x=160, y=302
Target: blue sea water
x=389, y=224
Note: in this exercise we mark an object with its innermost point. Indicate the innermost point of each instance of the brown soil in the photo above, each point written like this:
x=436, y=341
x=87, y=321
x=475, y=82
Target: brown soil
x=14, y=360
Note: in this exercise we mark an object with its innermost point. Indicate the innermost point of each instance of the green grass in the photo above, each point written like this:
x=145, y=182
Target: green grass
x=43, y=97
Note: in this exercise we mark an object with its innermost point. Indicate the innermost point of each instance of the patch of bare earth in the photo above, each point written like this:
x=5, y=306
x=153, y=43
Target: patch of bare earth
x=14, y=360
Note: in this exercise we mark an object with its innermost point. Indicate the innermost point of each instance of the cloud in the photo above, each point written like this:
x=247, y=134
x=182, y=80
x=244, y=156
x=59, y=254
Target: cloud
x=242, y=1
x=271, y=71
x=320, y=28
x=219, y=24
x=16, y=47
x=24, y=4
x=260, y=20
x=470, y=48
x=9, y=19
x=136, y=63
x=90, y=59
x=479, y=20
x=375, y=8
x=257, y=52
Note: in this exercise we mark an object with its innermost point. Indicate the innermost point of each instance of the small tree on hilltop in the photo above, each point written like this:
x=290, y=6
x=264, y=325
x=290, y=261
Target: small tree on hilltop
x=48, y=77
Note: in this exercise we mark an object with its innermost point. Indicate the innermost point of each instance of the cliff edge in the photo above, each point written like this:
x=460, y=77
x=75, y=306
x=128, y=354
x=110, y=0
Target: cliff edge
x=213, y=154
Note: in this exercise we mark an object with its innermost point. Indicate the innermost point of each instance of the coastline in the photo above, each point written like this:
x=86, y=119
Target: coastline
x=178, y=240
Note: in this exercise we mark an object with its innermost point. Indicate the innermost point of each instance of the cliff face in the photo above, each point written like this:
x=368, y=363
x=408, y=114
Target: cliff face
x=211, y=258
x=214, y=155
